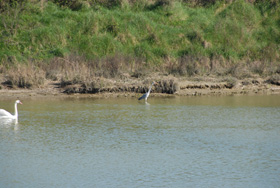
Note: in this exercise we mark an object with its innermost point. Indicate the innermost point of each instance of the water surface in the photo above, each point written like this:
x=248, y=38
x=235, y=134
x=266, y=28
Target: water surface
x=123, y=142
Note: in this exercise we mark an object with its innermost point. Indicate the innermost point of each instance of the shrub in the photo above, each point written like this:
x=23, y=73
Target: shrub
x=230, y=82
x=25, y=76
x=188, y=66
x=160, y=4
x=200, y=2
x=257, y=67
x=274, y=79
x=74, y=5
x=107, y=3
x=169, y=86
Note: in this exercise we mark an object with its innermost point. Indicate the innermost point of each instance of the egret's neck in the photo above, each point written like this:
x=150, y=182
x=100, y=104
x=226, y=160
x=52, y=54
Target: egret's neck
x=16, y=112
x=150, y=88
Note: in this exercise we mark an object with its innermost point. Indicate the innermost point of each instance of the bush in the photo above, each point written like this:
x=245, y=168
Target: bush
x=188, y=66
x=72, y=4
x=6, y=4
x=107, y=3
x=169, y=86
x=200, y=2
x=230, y=82
x=24, y=76
x=257, y=67
x=274, y=79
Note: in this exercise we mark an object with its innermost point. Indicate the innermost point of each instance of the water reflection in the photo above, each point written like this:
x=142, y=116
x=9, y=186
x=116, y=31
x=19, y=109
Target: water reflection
x=7, y=122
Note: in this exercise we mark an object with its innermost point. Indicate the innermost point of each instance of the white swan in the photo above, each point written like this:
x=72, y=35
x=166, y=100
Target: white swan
x=5, y=114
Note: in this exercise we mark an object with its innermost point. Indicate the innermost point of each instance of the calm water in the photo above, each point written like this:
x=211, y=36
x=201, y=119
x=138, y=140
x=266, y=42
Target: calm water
x=173, y=142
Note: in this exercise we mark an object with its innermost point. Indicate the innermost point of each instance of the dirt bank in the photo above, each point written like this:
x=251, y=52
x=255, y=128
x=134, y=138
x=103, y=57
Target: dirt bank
x=166, y=86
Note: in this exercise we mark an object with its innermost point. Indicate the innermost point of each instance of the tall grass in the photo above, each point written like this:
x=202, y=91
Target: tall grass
x=197, y=36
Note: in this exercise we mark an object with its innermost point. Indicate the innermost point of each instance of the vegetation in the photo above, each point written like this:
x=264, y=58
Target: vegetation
x=82, y=39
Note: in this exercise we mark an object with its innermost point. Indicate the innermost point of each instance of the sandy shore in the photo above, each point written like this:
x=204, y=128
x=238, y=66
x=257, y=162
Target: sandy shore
x=184, y=88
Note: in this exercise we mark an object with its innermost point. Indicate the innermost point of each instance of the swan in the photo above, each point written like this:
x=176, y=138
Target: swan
x=6, y=114
x=146, y=95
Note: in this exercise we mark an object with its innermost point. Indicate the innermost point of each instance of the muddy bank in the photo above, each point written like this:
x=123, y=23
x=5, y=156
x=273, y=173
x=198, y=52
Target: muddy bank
x=166, y=86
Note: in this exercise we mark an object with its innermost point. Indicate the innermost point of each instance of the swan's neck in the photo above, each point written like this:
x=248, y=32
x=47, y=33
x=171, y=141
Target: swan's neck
x=16, y=112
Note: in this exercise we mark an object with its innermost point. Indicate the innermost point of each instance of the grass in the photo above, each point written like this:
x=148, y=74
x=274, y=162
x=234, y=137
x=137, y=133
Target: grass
x=184, y=38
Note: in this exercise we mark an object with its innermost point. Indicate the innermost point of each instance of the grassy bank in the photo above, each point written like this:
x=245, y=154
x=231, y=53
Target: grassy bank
x=77, y=41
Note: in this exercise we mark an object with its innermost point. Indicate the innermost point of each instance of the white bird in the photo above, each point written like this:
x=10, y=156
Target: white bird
x=5, y=114
x=146, y=95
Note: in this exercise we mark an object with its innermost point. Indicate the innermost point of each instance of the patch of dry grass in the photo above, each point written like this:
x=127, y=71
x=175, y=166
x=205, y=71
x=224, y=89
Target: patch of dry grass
x=92, y=75
x=124, y=74
x=24, y=76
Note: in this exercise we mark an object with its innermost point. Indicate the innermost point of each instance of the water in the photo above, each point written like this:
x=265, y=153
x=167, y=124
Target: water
x=173, y=142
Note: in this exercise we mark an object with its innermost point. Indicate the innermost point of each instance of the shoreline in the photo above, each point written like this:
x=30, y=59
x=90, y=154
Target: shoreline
x=184, y=88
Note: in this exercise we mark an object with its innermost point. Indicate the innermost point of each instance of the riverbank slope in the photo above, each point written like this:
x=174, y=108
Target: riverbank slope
x=194, y=47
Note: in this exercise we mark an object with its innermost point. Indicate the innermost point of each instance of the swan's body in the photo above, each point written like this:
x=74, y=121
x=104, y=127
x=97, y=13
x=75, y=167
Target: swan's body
x=146, y=95
x=6, y=114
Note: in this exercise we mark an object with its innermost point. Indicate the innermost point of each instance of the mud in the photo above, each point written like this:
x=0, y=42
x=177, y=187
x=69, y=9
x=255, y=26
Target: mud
x=167, y=86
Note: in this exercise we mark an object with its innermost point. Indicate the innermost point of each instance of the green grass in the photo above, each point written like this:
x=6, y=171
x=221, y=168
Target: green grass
x=238, y=31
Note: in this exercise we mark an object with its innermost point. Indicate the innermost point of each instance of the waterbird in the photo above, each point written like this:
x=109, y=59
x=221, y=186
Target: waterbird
x=146, y=95
x=6, y=114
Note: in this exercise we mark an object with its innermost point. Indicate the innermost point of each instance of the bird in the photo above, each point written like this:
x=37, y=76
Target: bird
x=146, y=95
x=6, y=114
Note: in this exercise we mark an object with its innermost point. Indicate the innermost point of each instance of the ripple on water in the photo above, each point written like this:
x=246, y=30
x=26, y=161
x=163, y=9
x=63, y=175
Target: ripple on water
x=186, y=142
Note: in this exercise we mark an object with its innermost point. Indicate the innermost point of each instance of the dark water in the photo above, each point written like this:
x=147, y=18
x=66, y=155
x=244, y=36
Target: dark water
x=172, y=142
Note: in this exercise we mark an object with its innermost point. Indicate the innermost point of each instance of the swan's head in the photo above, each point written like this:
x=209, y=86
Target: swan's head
x=18, y=102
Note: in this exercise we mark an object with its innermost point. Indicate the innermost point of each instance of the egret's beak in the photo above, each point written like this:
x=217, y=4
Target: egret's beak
x=20, y=102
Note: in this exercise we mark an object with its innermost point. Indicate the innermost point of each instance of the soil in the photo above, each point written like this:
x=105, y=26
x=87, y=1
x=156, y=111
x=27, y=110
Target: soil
x=166, y=86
